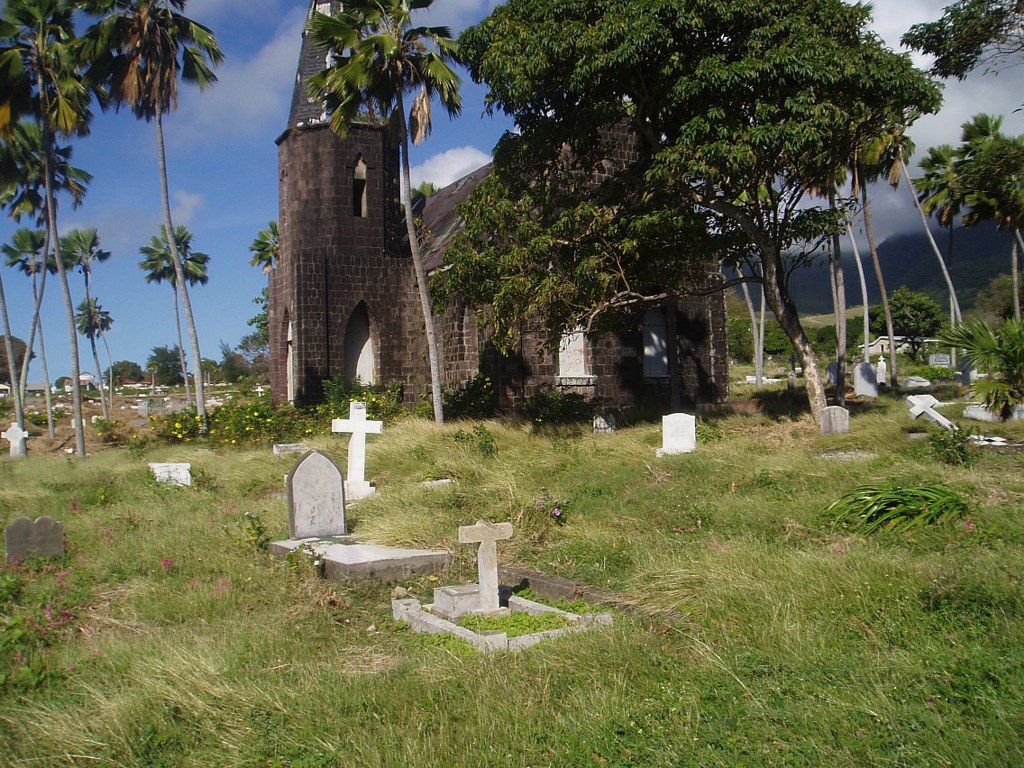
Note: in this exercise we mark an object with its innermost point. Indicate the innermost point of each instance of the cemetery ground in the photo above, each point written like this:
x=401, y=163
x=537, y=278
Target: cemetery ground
x=748, y=632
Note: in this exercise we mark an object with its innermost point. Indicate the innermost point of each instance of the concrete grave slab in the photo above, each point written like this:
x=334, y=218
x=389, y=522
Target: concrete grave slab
x=351, y=560
x=172, y=473
x=42, y=538
x=286, y=449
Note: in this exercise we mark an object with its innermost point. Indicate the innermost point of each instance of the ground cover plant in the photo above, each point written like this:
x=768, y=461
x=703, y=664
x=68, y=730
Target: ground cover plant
x=749, y=632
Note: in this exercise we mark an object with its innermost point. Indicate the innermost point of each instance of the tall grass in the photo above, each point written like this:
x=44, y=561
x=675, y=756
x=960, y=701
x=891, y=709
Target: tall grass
x=751, y=633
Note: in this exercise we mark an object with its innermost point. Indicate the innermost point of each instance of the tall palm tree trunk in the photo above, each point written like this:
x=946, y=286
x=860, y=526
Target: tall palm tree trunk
x=110, y=369
x=181, y=346
x=19, y=408
x=863, y=293
x=421, y=275
x=1015, y=280
x=47, y=394
x=935, y=247
x=840, y=287
x=38, y=289
x=99, y=376
x=877, y=264
x=179, y=272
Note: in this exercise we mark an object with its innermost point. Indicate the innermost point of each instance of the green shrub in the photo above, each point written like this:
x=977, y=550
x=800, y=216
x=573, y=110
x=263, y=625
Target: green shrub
x=515, y=624
x=932, y=373
x=473, y=399
x=382, y=402
x=554, y=406
x=953, y=446
x=895, y=507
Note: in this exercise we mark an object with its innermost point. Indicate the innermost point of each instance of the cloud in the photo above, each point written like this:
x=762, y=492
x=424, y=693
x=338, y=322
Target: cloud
x=444, y=168
x=455, y=14
x=251, y=94
x=185, y=205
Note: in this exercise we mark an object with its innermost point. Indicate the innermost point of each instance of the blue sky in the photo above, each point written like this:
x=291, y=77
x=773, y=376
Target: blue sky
x=222, y=165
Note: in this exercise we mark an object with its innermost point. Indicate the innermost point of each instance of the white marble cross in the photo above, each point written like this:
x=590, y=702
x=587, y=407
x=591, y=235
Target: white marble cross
x=356, y=486
x=15, y=435
x=924, y=405
x=486, y=535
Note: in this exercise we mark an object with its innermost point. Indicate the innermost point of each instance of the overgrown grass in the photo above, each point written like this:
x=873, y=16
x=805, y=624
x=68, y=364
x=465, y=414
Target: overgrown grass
x=753, y=634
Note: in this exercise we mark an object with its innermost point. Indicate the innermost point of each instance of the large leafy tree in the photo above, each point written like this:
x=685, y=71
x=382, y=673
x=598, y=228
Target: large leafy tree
x=969, y=33
x=143, y=47
x=170, y=260
x=915, y=316
x=737, y=109
x=41, y=74
x=379, y=58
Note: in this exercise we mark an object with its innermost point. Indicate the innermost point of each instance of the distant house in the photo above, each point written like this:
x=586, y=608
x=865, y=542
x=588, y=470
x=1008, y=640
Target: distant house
x=4, y=390
x=880, y=346
x=35, y=388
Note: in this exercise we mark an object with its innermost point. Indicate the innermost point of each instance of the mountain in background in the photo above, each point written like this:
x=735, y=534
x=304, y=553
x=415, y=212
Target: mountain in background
x=979, y=254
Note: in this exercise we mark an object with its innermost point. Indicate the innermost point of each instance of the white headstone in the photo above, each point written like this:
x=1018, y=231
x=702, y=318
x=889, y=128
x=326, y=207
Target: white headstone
x=172, y=474
x=572, y=361
x=864, y=382
x=881, y=371
x=924, y=405
x=15, y=435
x=487, y=536
x=316, y=498
x=356, y=486
x=914, y=382
x=835, y=420
x=678, y=434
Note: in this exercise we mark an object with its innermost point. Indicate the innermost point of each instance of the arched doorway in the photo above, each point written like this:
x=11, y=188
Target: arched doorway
x=360, y=359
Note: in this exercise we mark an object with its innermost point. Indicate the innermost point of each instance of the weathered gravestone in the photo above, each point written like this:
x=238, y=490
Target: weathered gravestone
x=939, y=360
x=42, y=538
x=172, y=473
x=604, y=424
x=356, y=486
x=15, y=435
x=487, y=535
x=835, y=420
x=284, y=449
x=831, y=372
x=316, y=498
x=865, y=384
x=924, y=405
x=967, y=372
x=911, y=383
x=678, y=434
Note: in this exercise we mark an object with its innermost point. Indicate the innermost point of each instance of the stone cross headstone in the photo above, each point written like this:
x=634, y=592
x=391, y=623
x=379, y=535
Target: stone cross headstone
x=316, y=498
x=487, y=536
x=356, y=486
x=678, y=434
x=43, y=538
x=924, y=405
x=835, y=420
x=172, y=473
x=864, y=382
x=881, y=371
x=15, y=435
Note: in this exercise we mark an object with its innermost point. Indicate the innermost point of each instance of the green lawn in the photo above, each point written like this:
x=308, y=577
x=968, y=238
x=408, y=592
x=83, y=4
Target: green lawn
x=750, y=634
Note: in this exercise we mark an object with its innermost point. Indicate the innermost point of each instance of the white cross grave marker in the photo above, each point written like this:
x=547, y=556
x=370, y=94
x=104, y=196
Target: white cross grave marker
x=487, y=535
x=356, y=486
x=924, y=405
x=15, y=435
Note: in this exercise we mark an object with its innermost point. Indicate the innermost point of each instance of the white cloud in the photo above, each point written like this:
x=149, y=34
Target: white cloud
x=250, y=93
x=444, y=168
x=185, y=205
x=455, y=14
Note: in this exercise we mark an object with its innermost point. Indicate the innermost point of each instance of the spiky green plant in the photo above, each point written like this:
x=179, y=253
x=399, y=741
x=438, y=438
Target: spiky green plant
x=895, y=507
x=1000, y=351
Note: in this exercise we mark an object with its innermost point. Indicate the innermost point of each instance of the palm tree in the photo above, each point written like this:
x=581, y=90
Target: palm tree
x=1001, y=353
x=266, y=249
x=93, y=322
x=158, y=267
x=81, y=248
x=378, y=58
x=27, y=252
x=42, y=76
x=150, y=45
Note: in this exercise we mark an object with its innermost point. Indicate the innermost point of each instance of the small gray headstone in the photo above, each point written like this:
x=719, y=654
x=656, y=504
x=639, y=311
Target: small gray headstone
x=604, y=424
x=15, y=435
x=967, y=372
x=172, y=473
x=830, y=374
x=316, y=498
x=835, y=420
x=939, y=360
x=43, y=538
x=678, y=434
x=864, y=382
x=143, y=408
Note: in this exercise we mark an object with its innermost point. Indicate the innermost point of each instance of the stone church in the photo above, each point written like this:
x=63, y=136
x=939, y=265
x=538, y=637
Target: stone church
x=343, y=299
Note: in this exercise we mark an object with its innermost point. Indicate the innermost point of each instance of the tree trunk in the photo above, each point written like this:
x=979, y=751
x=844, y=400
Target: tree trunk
x=931, y=239
x=877, y=264
x=48, y=396
x=675, y=379
x=840, y=283
x=181, y=347
x=19, y=408
x=99, y=377
x=1015, y=280
x=421, y=275
x=757, y=335
x=863, y=293
x=179, y=273
x=110, y=371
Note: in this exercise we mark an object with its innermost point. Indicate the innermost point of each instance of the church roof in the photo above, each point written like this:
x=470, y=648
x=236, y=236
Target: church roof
x=312, y=59
x=441, y=222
